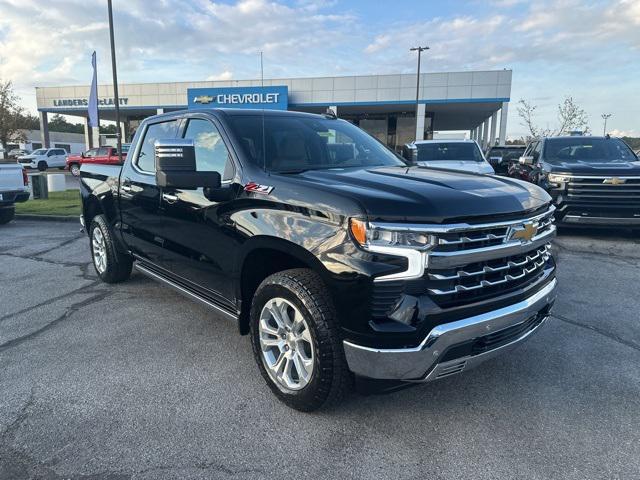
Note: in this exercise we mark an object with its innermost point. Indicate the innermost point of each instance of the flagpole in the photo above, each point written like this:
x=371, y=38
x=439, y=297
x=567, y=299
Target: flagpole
x=116, y=97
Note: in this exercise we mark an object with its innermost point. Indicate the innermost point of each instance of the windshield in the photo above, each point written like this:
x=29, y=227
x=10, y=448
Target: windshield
x=42, y=151
x=295, y=143
x=587, y=149
x=442, y=151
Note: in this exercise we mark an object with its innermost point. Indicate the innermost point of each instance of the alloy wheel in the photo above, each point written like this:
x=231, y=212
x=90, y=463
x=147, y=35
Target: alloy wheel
x=99, y=250
x=286, y=344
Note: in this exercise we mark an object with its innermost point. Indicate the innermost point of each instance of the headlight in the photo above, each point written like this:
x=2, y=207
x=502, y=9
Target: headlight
x=553, y=178
x=389, y=236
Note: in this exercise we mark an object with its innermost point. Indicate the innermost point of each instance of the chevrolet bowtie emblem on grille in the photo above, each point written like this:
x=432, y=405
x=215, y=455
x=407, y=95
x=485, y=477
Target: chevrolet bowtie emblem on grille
x=524, y=233
x=614, y=181
x=203, y=99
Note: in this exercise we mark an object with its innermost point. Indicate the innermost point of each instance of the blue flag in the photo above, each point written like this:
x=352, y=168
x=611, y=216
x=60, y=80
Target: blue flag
x=93, y=95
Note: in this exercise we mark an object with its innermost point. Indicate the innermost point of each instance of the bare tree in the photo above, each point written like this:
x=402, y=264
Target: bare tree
x=570, y=117
x=11, y=116
x=526, y=112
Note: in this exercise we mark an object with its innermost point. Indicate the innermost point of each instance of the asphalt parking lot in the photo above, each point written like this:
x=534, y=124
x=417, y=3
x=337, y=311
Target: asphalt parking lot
x=134, y=381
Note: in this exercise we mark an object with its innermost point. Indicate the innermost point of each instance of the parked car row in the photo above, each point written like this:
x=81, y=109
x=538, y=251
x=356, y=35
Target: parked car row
x=592, y=180
x=45, y=158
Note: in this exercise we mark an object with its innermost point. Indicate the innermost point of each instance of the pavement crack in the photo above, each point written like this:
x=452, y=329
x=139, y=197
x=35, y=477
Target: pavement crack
x=63, y=244
x=82, y=289
x=605, y=333
x=45, y=260
x=68, y=312
x=21, y=417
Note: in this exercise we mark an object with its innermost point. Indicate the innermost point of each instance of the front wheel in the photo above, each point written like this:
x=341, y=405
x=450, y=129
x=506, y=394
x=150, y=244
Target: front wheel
x=296, y=340
x=112, y=266
x=42, y=165
x=75, y=169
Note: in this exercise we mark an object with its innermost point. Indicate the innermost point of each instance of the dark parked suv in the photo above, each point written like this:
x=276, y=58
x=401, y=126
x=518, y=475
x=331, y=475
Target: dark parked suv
x=335, y=256
x=501, y=156
x=592, y=180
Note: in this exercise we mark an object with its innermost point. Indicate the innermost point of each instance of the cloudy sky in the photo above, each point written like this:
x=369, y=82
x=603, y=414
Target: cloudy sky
x=584, y=48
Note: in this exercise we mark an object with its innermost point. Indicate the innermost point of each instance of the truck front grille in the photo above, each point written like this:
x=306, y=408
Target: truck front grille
x=604, y=189
x=476, y=262
x=479, y=280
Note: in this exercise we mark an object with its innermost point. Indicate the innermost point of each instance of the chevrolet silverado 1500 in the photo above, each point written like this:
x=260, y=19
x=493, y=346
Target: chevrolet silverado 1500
x=339, y=259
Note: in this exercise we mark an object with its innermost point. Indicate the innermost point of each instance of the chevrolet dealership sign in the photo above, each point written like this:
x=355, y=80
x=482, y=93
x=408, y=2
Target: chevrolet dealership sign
x=271, y=98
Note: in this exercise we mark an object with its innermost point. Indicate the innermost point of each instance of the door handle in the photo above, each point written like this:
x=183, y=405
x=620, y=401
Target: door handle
x=169, y=198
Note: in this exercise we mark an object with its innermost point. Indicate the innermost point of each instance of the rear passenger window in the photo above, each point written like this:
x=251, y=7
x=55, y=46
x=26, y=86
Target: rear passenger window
x=154, y=131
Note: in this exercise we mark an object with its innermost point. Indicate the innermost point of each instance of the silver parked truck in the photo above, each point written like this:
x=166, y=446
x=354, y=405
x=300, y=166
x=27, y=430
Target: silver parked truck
x=13, y=188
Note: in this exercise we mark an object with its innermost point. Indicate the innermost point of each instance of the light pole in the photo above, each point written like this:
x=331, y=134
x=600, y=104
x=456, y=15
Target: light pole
x=605, y=117
x=419, y=50
x=116, y=97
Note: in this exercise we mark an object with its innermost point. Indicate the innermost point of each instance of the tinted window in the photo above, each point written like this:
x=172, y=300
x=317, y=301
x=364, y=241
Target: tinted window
x=40, y=151
x=155, y=131
x=102, y=152
x=467, y=151
x=587, y=149
x=294, y=143
x=211, y=153
x=91, y=153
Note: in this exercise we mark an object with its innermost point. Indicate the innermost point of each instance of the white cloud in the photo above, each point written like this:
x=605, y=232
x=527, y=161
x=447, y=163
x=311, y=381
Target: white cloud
x=226, y=75
x=624, y=133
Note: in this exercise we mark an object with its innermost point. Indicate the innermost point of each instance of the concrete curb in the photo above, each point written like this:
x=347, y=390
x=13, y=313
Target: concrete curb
x=49, y=218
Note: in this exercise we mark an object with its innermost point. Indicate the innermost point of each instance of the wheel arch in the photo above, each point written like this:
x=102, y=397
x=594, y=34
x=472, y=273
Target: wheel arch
x=263, y=256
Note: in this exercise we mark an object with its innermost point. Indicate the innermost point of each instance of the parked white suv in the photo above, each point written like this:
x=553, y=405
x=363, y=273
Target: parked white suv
x=13, y=188
x=463, y=155
x=44, y=158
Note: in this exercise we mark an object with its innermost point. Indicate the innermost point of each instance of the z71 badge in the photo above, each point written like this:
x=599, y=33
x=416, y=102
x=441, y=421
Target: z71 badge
x=257, y=188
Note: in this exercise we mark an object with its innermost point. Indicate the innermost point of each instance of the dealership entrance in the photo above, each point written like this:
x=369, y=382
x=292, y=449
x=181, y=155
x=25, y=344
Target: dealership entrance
x=475, y=102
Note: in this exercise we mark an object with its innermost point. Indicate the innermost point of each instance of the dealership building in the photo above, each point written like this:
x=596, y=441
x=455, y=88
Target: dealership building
x=383, y=105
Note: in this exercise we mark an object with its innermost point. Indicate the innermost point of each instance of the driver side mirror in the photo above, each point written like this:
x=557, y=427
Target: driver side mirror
x=176, y=166
x=528, y=160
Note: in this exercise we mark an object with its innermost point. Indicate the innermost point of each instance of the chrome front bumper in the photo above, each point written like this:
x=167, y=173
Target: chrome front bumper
x=421, y=364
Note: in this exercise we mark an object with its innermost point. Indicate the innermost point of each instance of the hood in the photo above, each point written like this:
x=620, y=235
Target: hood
x=27, y=157
x=460, y=165
x=426, y=194
x=595, y=168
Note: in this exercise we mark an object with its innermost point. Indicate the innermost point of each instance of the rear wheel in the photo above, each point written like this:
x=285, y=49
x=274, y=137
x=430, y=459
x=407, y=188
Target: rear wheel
x=74, y=168
x=296, y=340
x=42, y=165
x=7, y=214
x=112, y=266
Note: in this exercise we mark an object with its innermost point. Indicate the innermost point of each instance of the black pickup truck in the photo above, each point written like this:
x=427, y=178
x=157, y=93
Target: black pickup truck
x=339, y=259
x=594, y=181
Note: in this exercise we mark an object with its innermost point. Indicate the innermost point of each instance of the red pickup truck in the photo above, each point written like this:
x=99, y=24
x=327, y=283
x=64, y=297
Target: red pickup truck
x=106, y=155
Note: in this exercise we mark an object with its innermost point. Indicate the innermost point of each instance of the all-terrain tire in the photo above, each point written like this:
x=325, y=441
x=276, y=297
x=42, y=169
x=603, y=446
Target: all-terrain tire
x=117, y=265
x=330, y=379
x=42, y=165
